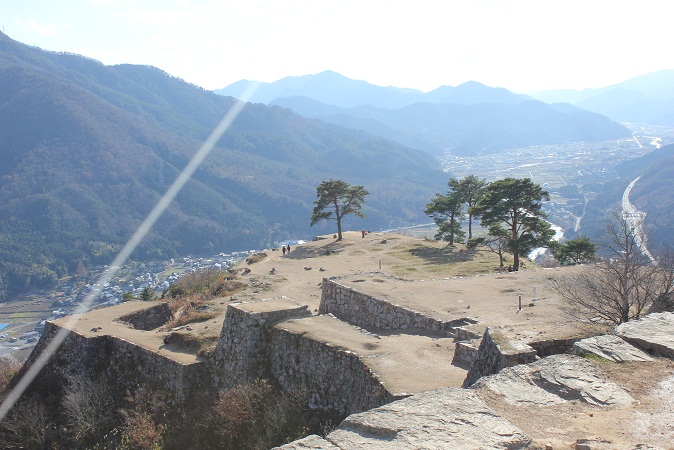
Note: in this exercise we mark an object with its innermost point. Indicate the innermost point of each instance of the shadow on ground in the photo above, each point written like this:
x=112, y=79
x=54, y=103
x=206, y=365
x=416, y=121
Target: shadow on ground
x=333, y=246
x=444, y=255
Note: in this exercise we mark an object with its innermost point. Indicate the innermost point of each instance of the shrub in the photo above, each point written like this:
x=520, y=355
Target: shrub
x=88, y=407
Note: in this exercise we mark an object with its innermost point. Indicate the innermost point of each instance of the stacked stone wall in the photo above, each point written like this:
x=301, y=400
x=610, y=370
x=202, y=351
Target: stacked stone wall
x=150, y=318
x=465, y=353
x=554, y=346
x=367, y=311
x=253, y=344
x=126, y=365
x=326, y=377
x=495, y=353
x=241, y=354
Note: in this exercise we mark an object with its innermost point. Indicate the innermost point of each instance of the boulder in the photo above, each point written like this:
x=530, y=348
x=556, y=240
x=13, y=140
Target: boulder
x=653, y=333
x=311, y=442
x=442, y=418
x=610, y=347
x=555, y=379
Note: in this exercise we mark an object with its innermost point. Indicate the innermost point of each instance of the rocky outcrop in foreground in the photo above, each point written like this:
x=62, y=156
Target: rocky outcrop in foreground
x=555, y=379
x=442, y=418
x=610, y=347
x=654, y=333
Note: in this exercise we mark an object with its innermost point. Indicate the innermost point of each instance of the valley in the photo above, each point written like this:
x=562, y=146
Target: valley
x=572, y=173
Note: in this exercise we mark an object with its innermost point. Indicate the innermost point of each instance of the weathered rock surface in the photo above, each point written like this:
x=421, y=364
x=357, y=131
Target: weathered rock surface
x=439, y=419
x=311, y=442
x=653, y=333
x=555, y=379
x=610, y=347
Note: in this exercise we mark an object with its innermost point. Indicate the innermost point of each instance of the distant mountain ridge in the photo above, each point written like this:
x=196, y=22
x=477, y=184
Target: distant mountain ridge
x=86, y=150
x=468, y=119
x=333, y=89
x=647, y=98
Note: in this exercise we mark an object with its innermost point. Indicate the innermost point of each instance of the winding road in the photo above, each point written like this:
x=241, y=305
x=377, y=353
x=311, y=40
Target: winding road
x=635, y=219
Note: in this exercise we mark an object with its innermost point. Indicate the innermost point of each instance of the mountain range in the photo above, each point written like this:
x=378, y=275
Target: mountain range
x=467, y=120
x=86, y=150
x=644, y=99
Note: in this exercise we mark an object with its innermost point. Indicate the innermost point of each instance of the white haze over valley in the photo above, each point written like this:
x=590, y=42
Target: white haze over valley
x=522, y=45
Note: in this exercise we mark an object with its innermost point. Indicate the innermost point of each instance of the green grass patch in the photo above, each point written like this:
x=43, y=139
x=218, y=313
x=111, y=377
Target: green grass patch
x=597, y=359
x=27, y=315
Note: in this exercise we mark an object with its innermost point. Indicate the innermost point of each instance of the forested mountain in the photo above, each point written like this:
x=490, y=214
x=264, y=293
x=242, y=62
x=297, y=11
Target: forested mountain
x=645, y=99
x=86, y=150
x=468, y=119
x=652, y=194
x=468, y=129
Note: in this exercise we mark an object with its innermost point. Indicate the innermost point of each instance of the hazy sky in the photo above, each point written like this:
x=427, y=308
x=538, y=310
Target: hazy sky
x=522, y=45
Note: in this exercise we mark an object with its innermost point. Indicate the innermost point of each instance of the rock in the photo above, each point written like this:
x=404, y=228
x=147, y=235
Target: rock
x=593, y=444
x=610, y=347
x=442, y=418
x=555, y=379
x=312, y=442
x=653, y=333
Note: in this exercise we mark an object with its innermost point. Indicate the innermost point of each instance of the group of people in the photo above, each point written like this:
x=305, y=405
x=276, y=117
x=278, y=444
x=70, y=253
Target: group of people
x=285, y=249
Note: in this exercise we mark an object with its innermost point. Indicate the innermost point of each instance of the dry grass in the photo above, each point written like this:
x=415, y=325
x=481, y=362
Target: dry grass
x=256, y=257
x=190, y=298
x=187, y=314
x=191, y=342
x=431, y=258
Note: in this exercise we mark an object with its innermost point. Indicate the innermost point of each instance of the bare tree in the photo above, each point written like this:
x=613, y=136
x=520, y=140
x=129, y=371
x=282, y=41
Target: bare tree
x=88, y=407
x=27, y=426
x=624, y=284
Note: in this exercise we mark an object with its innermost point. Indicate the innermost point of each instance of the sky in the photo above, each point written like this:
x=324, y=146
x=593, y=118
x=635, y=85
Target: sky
x=522, y=45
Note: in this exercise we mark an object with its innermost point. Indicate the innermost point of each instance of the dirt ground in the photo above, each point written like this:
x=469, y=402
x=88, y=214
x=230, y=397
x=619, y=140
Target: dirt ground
x=451, y=283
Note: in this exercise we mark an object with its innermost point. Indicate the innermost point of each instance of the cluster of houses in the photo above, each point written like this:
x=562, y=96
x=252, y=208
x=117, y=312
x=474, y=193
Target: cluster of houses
x=136, y=277
x=131, y=280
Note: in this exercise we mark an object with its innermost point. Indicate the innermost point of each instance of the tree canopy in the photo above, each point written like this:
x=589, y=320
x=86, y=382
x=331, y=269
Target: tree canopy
x=447, y=212
x=470, y=188
x=576, y=251
x=512, y=208
x=336, y=199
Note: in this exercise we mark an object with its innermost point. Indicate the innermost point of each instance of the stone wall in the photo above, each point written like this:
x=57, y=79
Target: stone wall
x=495, y=353
x=123, y=364
x=467, y=344
x=242, y=351
x=326, y=377
x=150, y=318
x=254, y=343
x=465, y=353
x=554, y=346
x=366, y=311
